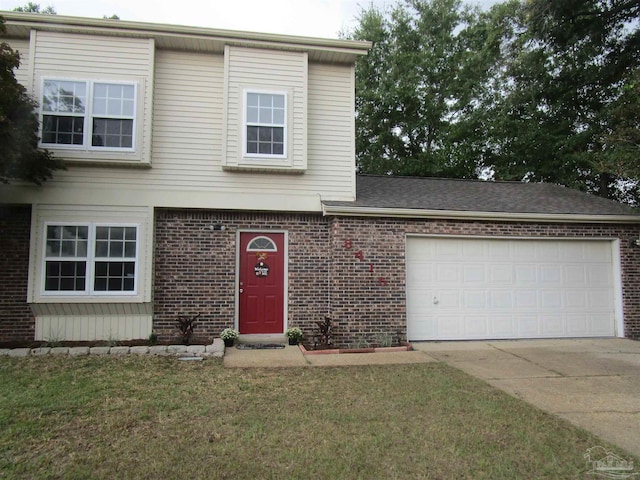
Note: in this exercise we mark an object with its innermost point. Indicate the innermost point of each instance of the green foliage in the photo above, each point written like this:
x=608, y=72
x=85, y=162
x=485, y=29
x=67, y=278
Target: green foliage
x=528, y=90
x=416, y=87
x=294, y=333
x=20, y=157
x=156, y=417
x=562, y=83
x=35, y=8
x=229, y=334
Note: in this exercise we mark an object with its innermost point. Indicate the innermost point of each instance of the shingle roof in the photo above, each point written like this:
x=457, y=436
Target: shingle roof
x=386, y=192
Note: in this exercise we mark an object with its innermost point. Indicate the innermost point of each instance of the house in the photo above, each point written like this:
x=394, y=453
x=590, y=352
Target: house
x=213, y=172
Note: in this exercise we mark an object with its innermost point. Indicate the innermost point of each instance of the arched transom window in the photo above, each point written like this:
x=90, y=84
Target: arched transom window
x=262, y=244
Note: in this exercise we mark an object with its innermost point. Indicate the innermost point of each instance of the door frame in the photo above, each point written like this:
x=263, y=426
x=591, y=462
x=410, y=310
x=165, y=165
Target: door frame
x=285, y=290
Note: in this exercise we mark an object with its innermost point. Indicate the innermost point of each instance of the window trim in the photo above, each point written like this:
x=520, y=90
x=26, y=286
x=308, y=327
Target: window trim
x=273, y=248
x=89, y=115
x=246, y=124
x=91, y=260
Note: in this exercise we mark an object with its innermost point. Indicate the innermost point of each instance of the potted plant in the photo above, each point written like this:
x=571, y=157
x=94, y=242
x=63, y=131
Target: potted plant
x=229, y=336
x=295, y=335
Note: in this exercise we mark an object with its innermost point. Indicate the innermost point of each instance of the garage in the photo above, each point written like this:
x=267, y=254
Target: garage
x=496, y=288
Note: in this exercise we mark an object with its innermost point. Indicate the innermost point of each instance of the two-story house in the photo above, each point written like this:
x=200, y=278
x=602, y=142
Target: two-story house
x=213, y=172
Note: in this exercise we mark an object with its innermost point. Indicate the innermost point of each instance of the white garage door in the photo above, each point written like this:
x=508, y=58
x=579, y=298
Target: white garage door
x=459, y=289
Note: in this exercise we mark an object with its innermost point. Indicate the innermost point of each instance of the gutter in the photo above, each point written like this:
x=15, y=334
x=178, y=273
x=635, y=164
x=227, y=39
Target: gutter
x=57, y=22
x=351, y=211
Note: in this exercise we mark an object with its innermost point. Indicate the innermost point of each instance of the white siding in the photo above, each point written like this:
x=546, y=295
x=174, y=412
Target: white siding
x=332, y=129
x=91, y=57
x=22, y=46
x=96, y=324
x=187, y=146
x=255, y=69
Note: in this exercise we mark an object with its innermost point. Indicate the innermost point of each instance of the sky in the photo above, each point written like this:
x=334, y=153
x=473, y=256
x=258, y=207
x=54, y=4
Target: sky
x=310, y=18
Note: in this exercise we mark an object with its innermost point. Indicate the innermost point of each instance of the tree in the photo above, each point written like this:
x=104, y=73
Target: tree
x=35, y=8
x=528, y=90
x=416, y=87
x=564, y=109
x=20, y=157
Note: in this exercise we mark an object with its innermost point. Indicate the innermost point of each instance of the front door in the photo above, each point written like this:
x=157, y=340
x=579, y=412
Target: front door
x=261, y=289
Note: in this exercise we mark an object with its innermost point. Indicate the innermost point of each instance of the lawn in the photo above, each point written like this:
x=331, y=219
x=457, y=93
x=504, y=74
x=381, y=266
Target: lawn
x=153, y=417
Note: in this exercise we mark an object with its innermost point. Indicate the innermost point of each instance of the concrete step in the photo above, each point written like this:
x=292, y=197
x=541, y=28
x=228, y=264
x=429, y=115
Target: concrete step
x=263, y=338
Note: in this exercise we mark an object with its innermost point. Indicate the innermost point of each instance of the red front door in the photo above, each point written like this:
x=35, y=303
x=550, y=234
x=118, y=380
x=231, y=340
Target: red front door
x=261, y=289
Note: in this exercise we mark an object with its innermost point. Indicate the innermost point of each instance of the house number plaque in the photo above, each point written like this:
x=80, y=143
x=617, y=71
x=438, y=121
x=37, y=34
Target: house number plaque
x=348, y=245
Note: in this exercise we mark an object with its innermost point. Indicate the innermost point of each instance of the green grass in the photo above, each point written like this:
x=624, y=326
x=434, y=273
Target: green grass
x=149, y=417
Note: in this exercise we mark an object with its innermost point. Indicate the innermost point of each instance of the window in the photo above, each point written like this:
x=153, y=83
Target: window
x=262, y=244
x=106, y=111
x=265, y=124
x=90, y=259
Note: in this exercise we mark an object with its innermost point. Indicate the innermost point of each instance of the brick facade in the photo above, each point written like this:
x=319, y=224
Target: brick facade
x=366, y=306
x=17, y=323
x=195, y=268
x=350, y=268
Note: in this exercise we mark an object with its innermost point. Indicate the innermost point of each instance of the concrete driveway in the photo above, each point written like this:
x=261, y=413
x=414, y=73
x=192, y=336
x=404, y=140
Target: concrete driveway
x=592, y=383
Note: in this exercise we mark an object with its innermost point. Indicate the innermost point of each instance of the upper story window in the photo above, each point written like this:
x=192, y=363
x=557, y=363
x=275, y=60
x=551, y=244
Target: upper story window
x=83, y=259
x=88, y=114
x=265, y=124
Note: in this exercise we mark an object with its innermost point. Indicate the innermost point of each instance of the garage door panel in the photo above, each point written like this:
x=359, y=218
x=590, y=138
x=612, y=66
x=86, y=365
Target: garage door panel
x=550, y=300
x=525, y=250
x=526, y=274
x=483, y=288
x=474, y=273
x=600, y=324
x=501, y=274
x=550, y=274
x=451, y=326
x=527, y=326
x=552, y=325
x=576, y=275
x=445, y=300
x=475, y=299
x=548, y=251
x=599, y=300
x=498, y=250
x=598, y=275
x=448, y=273
x=576, y=299
x=476, y=326
x=499, y=299
x=422, y=299
x=420, y=275
x=526, y=299
x=502, y=326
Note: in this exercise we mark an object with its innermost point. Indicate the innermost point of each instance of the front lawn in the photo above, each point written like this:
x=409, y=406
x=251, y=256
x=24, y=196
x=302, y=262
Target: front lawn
x=151, y=417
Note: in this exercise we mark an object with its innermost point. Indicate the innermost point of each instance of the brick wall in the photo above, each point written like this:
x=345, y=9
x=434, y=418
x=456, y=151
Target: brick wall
x=16, y=320
x=195, y=268
x=350, y=268
x=367, y=304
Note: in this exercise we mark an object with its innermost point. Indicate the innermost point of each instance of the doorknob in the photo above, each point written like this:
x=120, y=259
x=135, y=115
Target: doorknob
x=241, y=290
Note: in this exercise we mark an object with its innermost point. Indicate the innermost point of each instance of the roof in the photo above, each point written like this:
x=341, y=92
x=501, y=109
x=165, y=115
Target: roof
x=449, y=198
x=178, y=37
